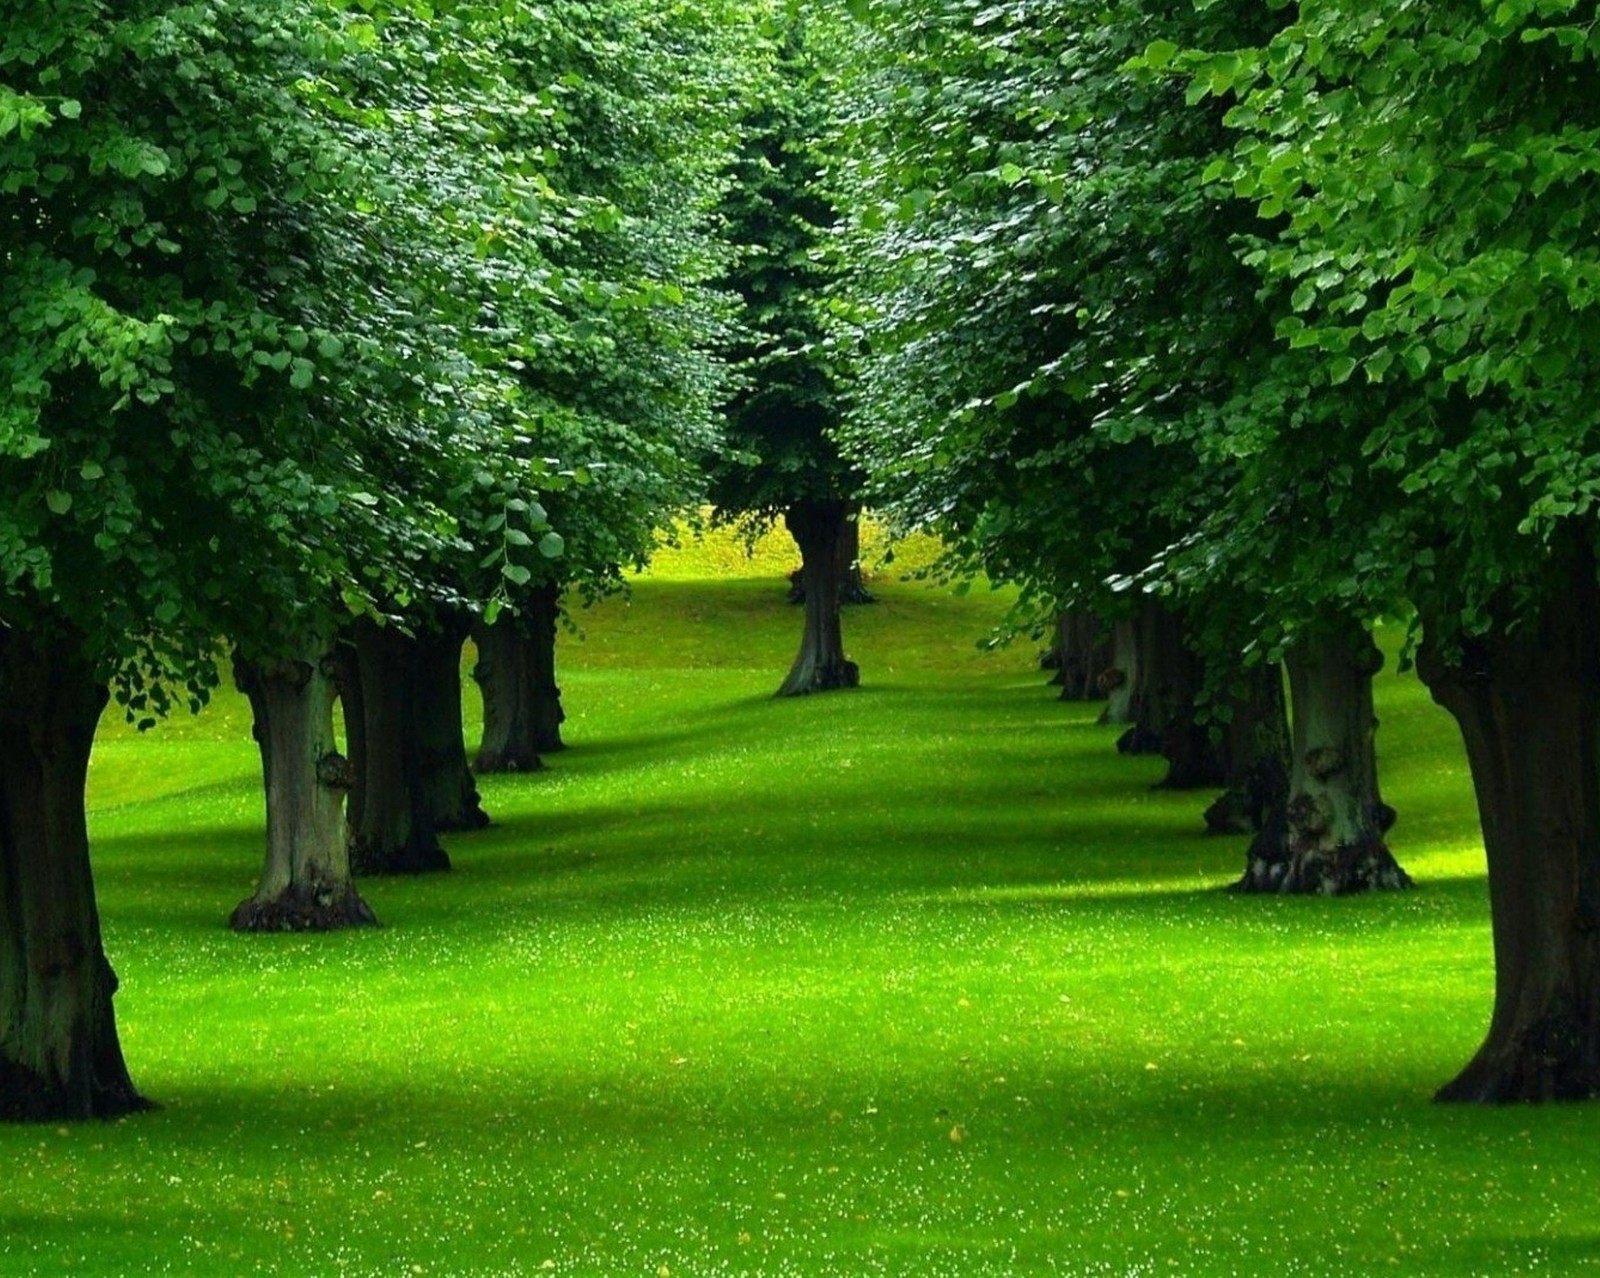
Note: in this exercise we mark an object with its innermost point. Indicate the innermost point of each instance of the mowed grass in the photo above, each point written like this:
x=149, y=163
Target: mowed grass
x=920, y=979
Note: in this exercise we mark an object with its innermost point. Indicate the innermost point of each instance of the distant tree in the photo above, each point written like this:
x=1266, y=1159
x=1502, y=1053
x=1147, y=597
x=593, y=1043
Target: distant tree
x=781, y=459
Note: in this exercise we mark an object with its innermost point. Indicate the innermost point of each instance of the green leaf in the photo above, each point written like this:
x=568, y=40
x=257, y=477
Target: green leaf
x=58, y=501
x=551, y=545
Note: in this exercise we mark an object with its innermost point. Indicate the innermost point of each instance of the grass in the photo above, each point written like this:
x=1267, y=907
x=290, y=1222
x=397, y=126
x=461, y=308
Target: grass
x=917, y=980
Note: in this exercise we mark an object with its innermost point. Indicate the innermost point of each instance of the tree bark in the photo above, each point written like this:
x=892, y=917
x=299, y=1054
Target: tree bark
x=1333, y=841
x=1170, y=675
x=444, y=777
x=60, y=1057
x=516, y=672
x=396, y=834
x=1119, y=680
x=505, y=678
x=347, y=682
x=305, y=884
x=1083, y=655
x=1527, y=701
x=1255, y=748
x=820, y=666
x=852, y=586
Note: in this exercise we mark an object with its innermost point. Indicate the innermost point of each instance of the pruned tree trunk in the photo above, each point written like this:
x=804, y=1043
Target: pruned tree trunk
x=444, y=778
x=59, y=1053
x=821, y=665
x=1119, y=680
x=1527, y=701
x=1336, y=820
x=305, y=884
x=1083, y=654
x=1255, y=749
x=395, y=834
x=516, y=672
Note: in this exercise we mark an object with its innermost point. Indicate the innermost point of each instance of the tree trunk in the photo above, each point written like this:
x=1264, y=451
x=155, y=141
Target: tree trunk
x=59, y=1053
x=1170, y=676
x=852, y=586
x=1120, y=678
x=306, y=884
x=504, y=676
x=1333, y=842
x=544, y=612
x=1083, y=654
x=1528, y=705
x=1255, y=748
x=820, y=666
x=516, y=672
x=347, y=681
x=396, y=834
x=444, y=777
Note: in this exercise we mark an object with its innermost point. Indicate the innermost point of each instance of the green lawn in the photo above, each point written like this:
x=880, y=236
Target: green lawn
x=921, y=979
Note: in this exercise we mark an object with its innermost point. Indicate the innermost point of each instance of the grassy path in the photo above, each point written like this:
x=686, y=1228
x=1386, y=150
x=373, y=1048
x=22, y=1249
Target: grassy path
x=918, y=980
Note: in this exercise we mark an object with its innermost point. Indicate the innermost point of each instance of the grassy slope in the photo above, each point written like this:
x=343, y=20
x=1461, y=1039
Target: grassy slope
x=916, y=980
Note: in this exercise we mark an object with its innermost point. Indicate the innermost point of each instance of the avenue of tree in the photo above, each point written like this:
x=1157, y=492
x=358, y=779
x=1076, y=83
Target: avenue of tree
x=339, y=332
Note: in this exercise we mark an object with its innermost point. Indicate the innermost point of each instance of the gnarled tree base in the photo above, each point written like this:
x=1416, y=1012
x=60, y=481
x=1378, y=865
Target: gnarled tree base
x=300, y=910
x=828, y=678
x=1337, y=871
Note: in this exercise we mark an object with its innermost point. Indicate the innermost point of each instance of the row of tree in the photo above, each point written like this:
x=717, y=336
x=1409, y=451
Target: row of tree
x=337, y=331
x=1243, y=328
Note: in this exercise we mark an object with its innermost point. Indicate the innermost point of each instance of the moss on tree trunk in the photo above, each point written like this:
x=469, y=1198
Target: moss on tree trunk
x=60, y=1057
x=1256, y=757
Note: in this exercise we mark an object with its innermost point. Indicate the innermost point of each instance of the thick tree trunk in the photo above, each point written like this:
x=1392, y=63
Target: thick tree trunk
x=396, y=834
x=516, y=672
x=1255, y=748
x=1170, y=676
x=306, y=884
x=820, y=666
x=852, y=586
x=1528, y=705
x=59, y=1053
x=1119, y=680
x=1083, y=655
x=1333, y=842
x=504, y=674
x=444, y=778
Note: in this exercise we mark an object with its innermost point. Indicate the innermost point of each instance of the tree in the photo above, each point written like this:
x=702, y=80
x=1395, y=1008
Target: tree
x=780, y=457
x=1425, y=181
x=229, y=330
x=641, y=104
